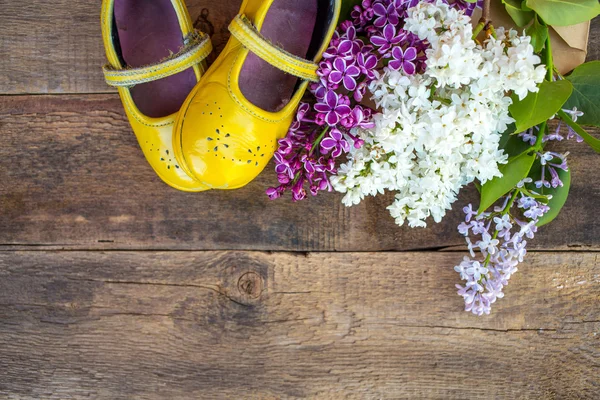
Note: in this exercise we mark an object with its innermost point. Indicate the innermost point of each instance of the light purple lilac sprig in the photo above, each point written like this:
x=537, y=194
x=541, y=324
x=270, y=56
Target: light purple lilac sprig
x=497, y=243
x=531, y=134
x=551, y=162
x=325, y=129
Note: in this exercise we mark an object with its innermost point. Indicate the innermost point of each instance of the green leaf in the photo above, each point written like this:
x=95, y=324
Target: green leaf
x=520, y=16
x=539, y=107
x=538, y=33
x=347, y=6
x=512, y=173
x=565, y=12
x=559, y=197
x=586, y=92
x=589, y=139
x=512, y=144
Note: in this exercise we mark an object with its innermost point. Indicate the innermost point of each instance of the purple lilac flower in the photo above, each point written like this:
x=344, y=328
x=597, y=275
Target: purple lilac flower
x=367, y=62
x=332, y=49
x=530, y=135
x=387, y=38
x=324, y=130
x=324, y=71
x=403, y=59
x=549, y=165
x=285, y=146
x=303, y=109
x=319, y=92
x=335, y=143
x=554, y=136
x=298, y=191
x=349, y=46
x=500, y=241
x=283, y=167
x=572, y=134
x=574, y=113
x=346, y=72
x=385, y=14
x=469, y=212
x=363, y=14
x=360, y=117
x=334, y=108
x=359, y=93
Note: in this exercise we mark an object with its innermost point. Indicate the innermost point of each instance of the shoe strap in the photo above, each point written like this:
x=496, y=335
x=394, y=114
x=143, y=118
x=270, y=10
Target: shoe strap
x=246, y=33
x=197, y=46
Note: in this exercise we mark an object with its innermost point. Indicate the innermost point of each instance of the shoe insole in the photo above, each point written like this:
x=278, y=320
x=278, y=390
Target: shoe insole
x=289, y=24
x=148, y=32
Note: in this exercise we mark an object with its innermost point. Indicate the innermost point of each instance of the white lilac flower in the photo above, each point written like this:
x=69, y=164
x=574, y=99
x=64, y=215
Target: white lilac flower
x=439, y=129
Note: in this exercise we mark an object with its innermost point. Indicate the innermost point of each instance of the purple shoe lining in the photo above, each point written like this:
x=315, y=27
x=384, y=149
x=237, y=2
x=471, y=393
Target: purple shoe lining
x=148, y=32
x=289, y=24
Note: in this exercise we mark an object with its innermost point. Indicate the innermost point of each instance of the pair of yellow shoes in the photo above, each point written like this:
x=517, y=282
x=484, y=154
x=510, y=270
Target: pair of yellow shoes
x=218, y=139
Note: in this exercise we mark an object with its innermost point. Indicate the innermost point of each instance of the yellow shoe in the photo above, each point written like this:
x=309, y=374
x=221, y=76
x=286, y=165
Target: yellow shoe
x=155, y=60
x=228, y=127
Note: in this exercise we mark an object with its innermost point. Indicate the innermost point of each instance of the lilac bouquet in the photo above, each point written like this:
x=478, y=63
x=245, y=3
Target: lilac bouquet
x=325, y=130
x=413, y=99
x=419, y=64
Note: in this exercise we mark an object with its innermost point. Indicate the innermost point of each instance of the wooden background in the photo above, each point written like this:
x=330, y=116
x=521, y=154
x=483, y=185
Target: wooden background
x=114, y=286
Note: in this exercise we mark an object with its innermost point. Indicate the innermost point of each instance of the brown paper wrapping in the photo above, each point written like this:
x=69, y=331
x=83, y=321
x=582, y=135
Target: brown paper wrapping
x=569, y=43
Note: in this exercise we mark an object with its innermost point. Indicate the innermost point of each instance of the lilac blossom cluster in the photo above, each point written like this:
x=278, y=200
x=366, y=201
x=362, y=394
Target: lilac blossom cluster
x=551, y=162
x=325, y=130
x=497, y=243
x=501, y=248
x=531, y=134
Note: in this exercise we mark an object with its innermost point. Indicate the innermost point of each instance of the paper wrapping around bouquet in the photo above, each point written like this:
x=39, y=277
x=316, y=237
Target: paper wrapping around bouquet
x=569, y=43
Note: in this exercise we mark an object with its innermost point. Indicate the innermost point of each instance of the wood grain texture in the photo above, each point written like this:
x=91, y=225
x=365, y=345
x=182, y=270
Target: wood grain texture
x=181, y=325
x=108, y=324
x=72, y=176
x=56, y=46
x=594, y=41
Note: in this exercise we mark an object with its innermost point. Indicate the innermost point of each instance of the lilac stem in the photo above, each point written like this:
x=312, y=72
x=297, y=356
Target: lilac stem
x=318, y=141
x=485, y=14
x=496, y=232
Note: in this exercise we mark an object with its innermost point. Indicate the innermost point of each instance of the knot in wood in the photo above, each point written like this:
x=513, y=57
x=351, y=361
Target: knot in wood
x=250, y=285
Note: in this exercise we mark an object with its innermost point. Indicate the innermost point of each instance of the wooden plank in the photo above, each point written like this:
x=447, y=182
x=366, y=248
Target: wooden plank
x=56, y=46
x=181, y=325
x=72, y=176
x=594, y=41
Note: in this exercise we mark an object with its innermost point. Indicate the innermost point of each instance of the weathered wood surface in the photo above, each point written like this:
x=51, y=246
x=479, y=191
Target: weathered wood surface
x=182, y=325
x=72, y=176
x=56, y=46
x=238, y=324
x=594, y=41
